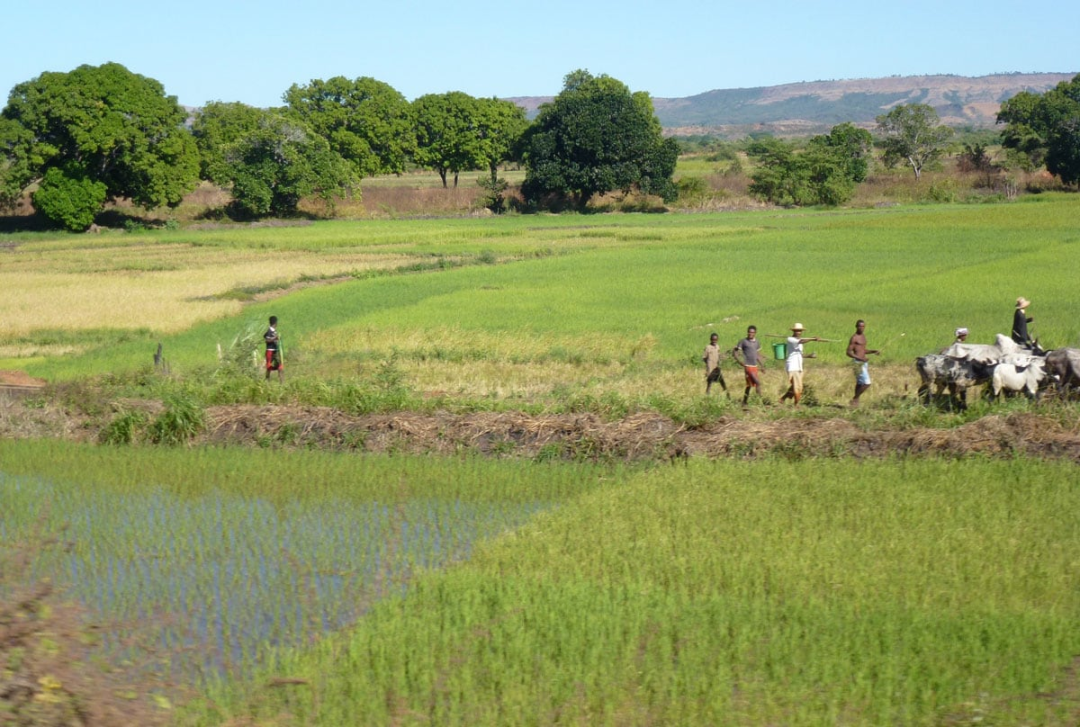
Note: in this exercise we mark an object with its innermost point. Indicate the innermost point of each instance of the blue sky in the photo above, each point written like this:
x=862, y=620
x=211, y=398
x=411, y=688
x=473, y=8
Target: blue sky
x=240, y=50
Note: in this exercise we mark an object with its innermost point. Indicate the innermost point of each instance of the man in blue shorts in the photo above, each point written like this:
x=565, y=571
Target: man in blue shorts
x=858, y=352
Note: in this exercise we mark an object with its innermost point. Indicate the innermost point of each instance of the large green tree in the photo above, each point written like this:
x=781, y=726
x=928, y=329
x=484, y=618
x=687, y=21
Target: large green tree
x=913, y=134
x=366, y=121
x=597, y=137
x=1046, y=128
x=269, y=161
x=218, y=127
x=447, y=133
x=501, y=127
x=94, y=129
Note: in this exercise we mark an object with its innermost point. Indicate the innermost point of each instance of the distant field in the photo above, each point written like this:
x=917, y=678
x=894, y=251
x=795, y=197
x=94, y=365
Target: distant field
x=523, y=305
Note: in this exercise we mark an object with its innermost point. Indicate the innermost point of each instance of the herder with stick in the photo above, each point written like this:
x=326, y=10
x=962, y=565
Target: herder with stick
x=794, y=363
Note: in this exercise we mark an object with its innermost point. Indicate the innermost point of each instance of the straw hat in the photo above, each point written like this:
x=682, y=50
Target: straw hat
x=1022, y=302
x=797, y=327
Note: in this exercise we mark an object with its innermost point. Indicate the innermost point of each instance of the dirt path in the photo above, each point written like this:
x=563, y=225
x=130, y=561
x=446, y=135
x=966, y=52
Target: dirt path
x=570, y=436
x=640, y=436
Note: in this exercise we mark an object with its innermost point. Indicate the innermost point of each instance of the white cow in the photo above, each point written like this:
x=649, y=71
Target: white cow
x=1021, y=373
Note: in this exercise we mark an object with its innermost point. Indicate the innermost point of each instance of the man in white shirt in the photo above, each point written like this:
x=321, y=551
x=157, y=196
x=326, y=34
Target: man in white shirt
x=794, y=364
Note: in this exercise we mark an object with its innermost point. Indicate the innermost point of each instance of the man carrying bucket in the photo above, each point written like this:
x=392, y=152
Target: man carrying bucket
x=751, y=361
x=795, y=363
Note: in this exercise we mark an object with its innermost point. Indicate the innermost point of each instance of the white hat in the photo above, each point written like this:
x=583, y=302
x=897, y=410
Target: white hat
x=961, y=332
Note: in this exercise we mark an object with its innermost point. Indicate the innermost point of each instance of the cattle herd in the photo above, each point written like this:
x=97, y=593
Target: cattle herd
x=1004, y=365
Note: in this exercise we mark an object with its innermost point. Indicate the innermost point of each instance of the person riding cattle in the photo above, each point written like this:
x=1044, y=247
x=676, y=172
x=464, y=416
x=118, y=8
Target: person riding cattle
x=1020, y=321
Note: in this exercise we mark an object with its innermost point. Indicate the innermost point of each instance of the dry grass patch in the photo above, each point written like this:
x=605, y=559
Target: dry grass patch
x=166, y=287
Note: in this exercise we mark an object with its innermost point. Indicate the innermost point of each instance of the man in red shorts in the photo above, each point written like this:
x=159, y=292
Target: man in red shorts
x=751, y=361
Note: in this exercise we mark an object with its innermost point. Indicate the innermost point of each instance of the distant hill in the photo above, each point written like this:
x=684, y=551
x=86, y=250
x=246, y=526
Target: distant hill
x=797, y=109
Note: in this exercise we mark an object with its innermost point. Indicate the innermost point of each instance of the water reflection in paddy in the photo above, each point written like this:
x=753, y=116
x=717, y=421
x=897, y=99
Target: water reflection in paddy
x=214, y=578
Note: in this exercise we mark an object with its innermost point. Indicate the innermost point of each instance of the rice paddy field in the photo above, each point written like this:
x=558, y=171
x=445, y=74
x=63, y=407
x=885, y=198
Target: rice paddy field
x=272, y=585
x=494, y=592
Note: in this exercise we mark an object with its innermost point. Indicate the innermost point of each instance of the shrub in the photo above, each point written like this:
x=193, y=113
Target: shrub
x=123, y=429
x=69, y=201
x=182, y=419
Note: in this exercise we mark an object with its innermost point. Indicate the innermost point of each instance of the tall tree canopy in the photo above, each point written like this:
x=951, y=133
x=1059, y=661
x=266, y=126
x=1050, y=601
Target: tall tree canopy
x=1046, y=128
x=913, y=135
x=366, y=121
x=102, y=130
x=597, y=137
x=447, y=133
x=269, y=162
x=501, y=125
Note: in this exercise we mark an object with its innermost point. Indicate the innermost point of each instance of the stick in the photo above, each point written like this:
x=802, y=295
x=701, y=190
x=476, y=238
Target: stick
x=891, y=341
x=823, y=340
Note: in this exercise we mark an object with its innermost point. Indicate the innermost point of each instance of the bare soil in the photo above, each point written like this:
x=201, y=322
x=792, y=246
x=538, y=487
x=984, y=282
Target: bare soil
x=642, y=436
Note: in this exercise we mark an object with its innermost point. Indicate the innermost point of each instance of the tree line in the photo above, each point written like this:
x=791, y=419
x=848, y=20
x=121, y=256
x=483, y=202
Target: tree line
x=101, y=133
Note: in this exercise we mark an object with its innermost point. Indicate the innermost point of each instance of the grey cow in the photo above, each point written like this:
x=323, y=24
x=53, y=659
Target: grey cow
x=945, y=372
x=1063, y=364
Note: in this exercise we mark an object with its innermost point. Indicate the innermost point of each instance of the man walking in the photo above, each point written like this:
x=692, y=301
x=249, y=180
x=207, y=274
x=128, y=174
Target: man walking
x=751, y=361
x=273, y=351
x=711, y=357
x=794, y=363
x=858, y=352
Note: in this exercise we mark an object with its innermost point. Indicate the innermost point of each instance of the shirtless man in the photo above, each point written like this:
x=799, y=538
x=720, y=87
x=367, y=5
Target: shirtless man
x=751, y=361
x=858, y=352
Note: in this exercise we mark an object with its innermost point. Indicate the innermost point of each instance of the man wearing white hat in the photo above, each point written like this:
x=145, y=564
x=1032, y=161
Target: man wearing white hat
x=1020, y=321
x=794, y=363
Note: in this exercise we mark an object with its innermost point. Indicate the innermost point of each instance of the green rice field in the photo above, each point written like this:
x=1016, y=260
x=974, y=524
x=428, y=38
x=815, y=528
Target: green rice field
x=492, y=592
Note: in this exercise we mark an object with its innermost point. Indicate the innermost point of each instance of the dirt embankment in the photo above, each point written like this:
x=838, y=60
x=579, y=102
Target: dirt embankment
x=640, y=436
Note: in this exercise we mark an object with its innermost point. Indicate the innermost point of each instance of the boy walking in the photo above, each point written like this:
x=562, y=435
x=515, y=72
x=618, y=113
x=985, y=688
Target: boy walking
x=711, y=357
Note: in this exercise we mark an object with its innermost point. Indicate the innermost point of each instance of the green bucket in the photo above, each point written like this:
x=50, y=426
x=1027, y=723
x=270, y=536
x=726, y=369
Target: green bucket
x=779, y=351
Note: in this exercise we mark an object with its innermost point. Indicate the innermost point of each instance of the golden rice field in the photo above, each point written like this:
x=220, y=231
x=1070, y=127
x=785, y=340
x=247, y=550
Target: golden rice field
x=166, y=287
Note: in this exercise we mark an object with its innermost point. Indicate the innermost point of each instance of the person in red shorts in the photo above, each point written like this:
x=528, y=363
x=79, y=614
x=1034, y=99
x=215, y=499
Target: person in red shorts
x=751, y=361
x=273, y=351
